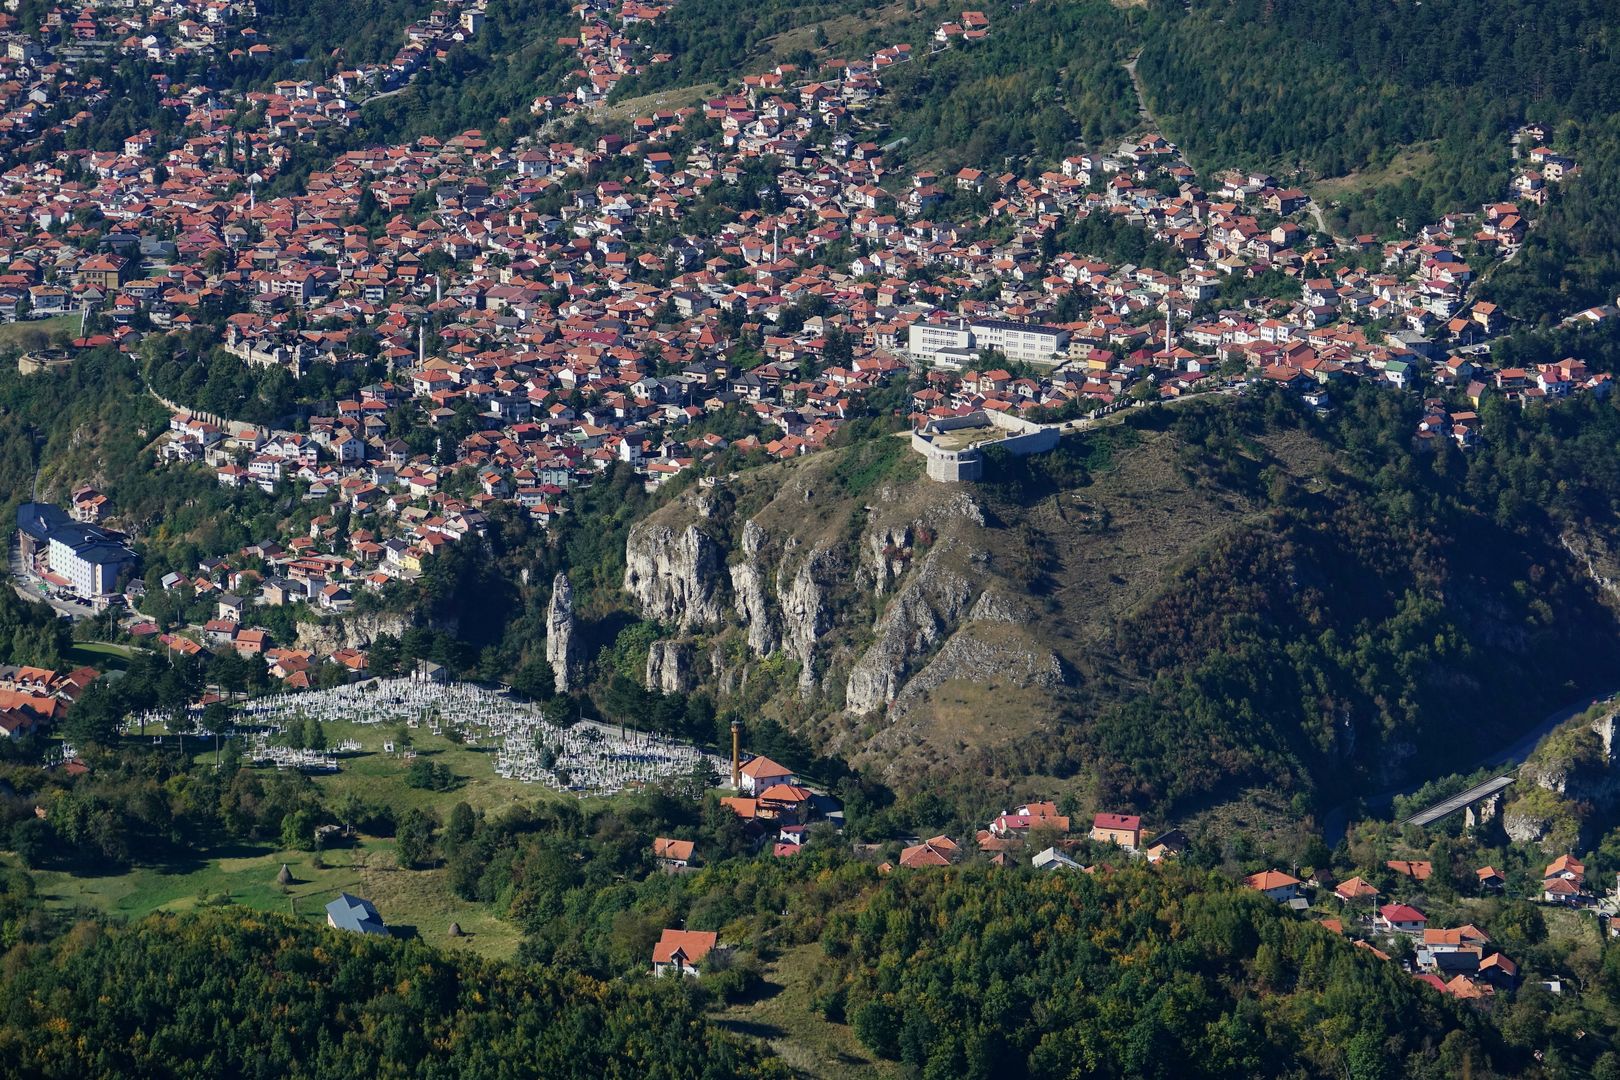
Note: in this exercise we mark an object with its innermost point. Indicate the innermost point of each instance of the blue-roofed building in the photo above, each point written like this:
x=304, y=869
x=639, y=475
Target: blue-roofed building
x=350, y=912
x=90, y=560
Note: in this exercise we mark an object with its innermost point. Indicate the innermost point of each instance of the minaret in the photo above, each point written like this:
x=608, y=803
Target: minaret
x=736, y=764
x=421, y=344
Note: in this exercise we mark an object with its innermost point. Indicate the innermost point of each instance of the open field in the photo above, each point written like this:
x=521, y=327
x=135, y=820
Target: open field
x=409, y=900
x=245, y=873
x=1413, y=161
x=418, y=901
x=102, y=654
x=836, y=31
x=35, y=333
x=676, y=98
x=379, y=778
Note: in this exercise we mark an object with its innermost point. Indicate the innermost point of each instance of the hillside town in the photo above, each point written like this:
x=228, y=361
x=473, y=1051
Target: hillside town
x=735, y=278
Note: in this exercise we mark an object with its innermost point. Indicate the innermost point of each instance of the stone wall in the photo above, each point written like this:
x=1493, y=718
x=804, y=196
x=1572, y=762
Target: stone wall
x=1024, y=437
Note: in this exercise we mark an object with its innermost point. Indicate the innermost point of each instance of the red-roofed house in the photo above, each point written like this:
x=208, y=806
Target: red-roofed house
x=672, y=854
x=679, y=952
x=1122, y=829
x=1275, y=884
x=1402, y=917
x=1354, y=889
x=761, y=772
x=938, y=851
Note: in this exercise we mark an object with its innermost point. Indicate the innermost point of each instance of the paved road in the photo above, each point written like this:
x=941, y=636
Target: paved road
x=1337, y=820
x=28, y=590
x=1460, y=800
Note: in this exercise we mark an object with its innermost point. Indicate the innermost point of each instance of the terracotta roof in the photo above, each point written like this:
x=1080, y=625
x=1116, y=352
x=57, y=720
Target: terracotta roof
x=1122, y=822
x=1354, y=889
x=693, y=945
x=1412, y=869
x=1401, y=913
x=762, y=766
x=1266, y=880
x=664, y=848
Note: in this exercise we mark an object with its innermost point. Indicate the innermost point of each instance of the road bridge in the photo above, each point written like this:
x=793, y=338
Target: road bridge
x=1479, y=793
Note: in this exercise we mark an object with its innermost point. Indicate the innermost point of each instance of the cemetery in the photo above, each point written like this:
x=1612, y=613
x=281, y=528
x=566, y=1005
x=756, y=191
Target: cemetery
x=586, y=758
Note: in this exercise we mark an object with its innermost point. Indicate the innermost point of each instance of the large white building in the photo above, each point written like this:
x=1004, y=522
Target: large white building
x=1030, y=343
x=957, y=343
x=946, y=344
x=92, y=561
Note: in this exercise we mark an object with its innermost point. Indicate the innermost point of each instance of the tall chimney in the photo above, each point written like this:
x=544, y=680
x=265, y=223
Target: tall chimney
x=736, y=764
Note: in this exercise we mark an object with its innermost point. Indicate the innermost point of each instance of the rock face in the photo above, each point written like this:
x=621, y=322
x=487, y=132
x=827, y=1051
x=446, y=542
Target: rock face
x=750, y=588
x=966, y=656
x=561, y=644
x=676, y=579
x=920, y=617
x=1570, y=786
x=354, y=631
x=670, y=668
x=804, y=607
x=879, y=599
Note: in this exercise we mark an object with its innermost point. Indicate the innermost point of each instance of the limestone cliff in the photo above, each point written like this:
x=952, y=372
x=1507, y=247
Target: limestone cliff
x=922, y=614
x=853, y=606
x=1569, y=789
x=750, y=588
x=670, y=667
x=1120, y=617
x=356, y=630
x=562, y=634
x=675, y=576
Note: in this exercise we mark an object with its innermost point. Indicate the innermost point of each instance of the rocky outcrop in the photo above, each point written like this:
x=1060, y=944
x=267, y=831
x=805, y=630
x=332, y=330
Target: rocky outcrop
x=1523, y=826
x=751, y=592
x=1595, y=557
x=976, y=659
x=561, y=634
x=1569, y=788
x=805, y=613
x=887, y=555
x=353, y=631
x=676, y=579
x=670, y=668
x=922, y=614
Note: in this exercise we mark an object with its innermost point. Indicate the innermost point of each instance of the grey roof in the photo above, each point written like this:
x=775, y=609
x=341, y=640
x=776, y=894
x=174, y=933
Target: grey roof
x=44, y=522
x=39, y=519
x=349, y=912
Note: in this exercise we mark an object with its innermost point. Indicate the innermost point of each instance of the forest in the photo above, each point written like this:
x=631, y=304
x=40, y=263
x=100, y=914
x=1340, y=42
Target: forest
x=1044, y=79
x=720, y=39
x=1391, y=607
x=484, y=85
x=970, y=972
x=1132, y=974
x=238, y=994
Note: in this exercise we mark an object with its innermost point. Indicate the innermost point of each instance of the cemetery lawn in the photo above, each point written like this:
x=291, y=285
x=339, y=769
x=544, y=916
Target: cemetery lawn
x=379, y=778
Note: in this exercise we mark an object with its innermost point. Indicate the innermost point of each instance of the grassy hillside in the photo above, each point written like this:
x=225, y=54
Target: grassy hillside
x=1166, y=613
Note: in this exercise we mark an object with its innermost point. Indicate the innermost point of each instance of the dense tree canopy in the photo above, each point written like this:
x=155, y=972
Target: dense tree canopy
x=1132, y=974
x=237, y=994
